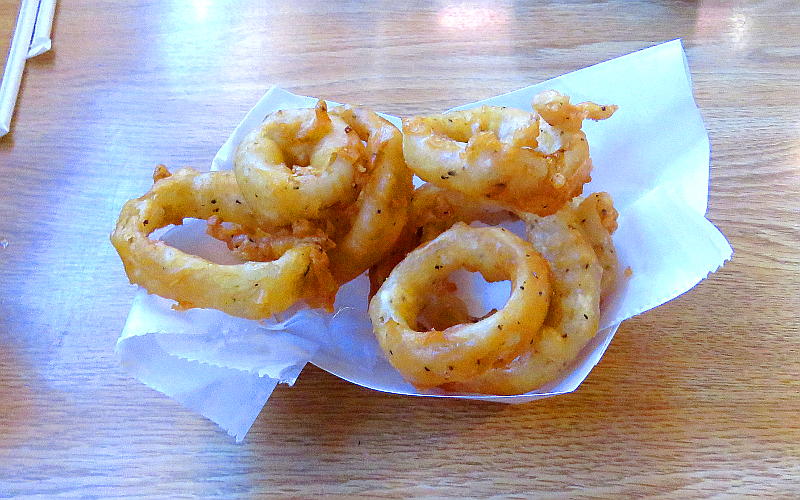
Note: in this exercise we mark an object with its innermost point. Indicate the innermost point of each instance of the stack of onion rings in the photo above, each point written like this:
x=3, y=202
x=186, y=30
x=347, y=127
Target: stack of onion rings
x=315, y=199
x=363, y=228
x=317, y=196
x=574, y=313
x=490, y=165
x=576, y=243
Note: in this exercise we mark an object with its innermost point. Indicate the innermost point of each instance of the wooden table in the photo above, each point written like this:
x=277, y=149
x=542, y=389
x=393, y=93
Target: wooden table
x=698, y=397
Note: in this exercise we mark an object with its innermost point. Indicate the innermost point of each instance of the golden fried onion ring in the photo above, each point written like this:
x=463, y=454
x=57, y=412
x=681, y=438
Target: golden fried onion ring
x=596, y=217
x=251, y=290
x=298, y=163
x=528, y=161
x=434, y=357
x=380, y=212
x=359, y=233
x=574, y=312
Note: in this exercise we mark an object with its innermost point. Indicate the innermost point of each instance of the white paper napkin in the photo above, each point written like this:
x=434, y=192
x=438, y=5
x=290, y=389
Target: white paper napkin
x=652, y=156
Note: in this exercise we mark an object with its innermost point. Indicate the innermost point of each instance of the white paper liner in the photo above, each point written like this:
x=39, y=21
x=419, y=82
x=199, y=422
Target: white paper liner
x=652, y=156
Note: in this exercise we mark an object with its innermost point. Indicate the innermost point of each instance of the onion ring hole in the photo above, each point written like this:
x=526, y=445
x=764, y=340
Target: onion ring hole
x=462, y=297
x=192, y=237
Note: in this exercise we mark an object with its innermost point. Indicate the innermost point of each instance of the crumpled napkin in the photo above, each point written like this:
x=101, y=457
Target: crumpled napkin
x=652, y=156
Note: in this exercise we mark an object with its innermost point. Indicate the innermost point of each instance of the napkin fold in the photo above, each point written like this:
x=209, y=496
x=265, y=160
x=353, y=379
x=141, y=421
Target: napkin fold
x=652, y=156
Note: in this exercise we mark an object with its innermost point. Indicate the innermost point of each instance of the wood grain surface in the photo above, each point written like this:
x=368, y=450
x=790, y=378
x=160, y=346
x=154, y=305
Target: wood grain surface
x=697, y=398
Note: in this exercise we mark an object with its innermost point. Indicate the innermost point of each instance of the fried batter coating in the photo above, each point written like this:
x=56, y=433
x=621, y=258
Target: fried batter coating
x=381, y=209
x=579, y=281
x=460, y=352
x=596, y=217
x=527, y=161
x=577, y=244
x=363, y=225
x=251, y=290
x=298, y=163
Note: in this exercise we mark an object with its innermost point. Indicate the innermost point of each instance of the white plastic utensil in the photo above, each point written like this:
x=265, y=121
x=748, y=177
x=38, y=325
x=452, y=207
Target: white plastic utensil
x=31, y=38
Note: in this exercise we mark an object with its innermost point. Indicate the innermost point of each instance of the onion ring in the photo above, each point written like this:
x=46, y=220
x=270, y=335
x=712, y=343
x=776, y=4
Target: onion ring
x=596, y=217
x=381, y=210
x=435, y=357
x=528, y=161
x=574, y=312
x=298, y=163
x=252, y=290
x=361, y=228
